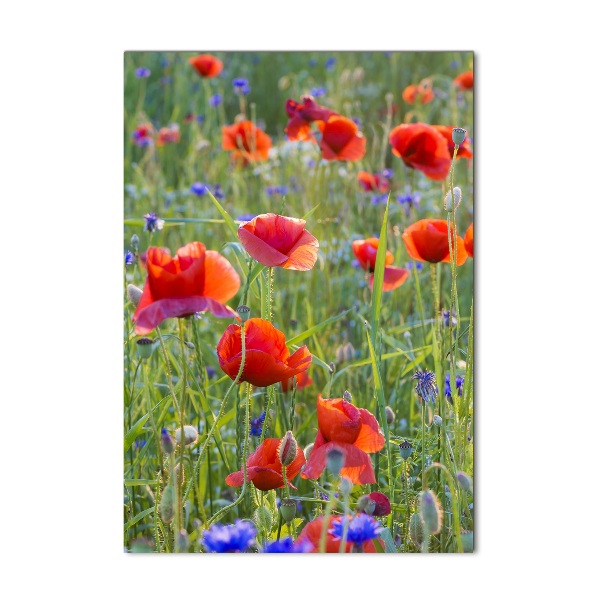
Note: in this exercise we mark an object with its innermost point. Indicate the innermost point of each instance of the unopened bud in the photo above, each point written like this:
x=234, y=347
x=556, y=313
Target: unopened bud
x=332, y=367
x=135, y=241
x=466, y=537
x=390, y=416
x=339, y=354
x=167, y=504
x=166, y=441
x=134, y=294
x=346, y=486
x=308, y=450
x=335, y=461
x=452, y=199
x=464, y=481
x=190, y=435
x=347, y=396
x=145, y=347
x=431, y=511
x=458, y=135
x=348, y=352
x=288, y=509
x=244, y=312
x=182, y=541
x=288, y=448
x=406, y=449
x=263, y=519
x=415, y=529
x=437, y=420
x=366, y=505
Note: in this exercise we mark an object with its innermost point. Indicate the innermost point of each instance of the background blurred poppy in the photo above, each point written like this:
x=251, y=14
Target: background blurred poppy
x=302, y=115
x=464, y=81
x=423, y=94
x=372, y=182
x=366, y=253
x=341, y=140
x=206, y=65
x=302, y=380
x=427, y=240
x=469, y=240
x=247, y=141
x=313, y=530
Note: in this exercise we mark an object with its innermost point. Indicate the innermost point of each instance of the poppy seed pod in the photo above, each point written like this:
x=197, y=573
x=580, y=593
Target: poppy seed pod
x=167, y=504
x=458, y=135
x=145, y=347
x=431, y=511
x=366, y=504
x=288, y=449
x=346, y=486
x=244, y=312
x=288, y=509
x=406, y=449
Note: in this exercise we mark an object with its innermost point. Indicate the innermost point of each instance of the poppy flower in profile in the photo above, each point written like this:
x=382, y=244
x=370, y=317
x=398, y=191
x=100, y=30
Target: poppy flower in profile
x=206, y=65
x=247, y=142
x=195, y=280
x=302, y=115
x=421, y=93
x=302, y=380
x=353, y=431
x=366, y=253
x=469, y=240
x=464, y=150
x=341, y=140
x=373, y=182
x=268, y=360
x=313, y=530
x=278, y=241
x=464, y=81
x=427, y=240
x=264, y=468
x=422, y=147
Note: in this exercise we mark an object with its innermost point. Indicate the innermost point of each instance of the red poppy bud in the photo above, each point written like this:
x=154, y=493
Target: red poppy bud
x=288, y=449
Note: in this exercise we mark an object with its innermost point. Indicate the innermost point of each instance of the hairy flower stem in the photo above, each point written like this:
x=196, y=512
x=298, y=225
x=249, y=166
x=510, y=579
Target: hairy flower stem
x=179, y=520
x=422, y=442
x=168, y=369
x=419, y=302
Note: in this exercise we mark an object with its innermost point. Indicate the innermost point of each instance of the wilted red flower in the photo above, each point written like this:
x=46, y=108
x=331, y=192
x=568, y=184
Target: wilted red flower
x=366, y=253
x=278, y=241
x=302, y=380
x=373, y=182
x=469, y=240
x=341, y=140
x=464, y=81
x=268, y=360
x=248, y=142
x=301, y=117
x=421, y=147
x=464, y=150
x=421, y=93
x=427, y=240
x=264, y=469
x=351, y=430
x=168, y=135
x=312, y=533
x=206, y=65
x=195, y=280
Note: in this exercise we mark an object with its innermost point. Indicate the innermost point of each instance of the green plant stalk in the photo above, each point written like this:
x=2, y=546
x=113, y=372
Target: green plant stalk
x=179, y=520
x=419, y=302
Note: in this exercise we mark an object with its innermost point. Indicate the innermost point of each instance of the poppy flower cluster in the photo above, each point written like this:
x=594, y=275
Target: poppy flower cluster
x=194, y=280
x=246, y=142
x=366, y=253
x=421, y=93
x=206, y=65
x=427, y=240
x=352, y=431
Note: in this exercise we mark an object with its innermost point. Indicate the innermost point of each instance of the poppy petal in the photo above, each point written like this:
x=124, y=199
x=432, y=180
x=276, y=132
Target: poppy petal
x=339, y=420
x=303, y=255
x=393, y=277
x=370, y=438
x=260, y=250
x=221, y=280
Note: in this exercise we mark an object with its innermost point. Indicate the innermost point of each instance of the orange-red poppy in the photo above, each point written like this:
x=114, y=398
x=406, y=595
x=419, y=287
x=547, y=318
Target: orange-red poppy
x=469, y=240
x=302, y=115
x=313, y=530
x=464, y=81
x=302, y=380
x=206, y=65
x=372, y=182
x=354, y=431
x=422, y=147
x=195, y=280
x=248, y=142
x=268, y=360
x=427, y=240
x=341, y=140
x=278, y=241
x=264, y=469
x=168, y=135
x=423, y=94
x=366, y=253
x=464, y=150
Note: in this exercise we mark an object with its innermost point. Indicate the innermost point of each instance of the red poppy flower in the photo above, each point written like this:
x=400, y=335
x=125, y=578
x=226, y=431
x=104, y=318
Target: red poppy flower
x=168, y=135
x=354, y=431
x=206, y=65
x=421, y=147
x=341, y=140
x=423, y=94
x=366, y=253
x=469, y=240
x=301, y=117
x=268, y=360
x=427, y=240
x=195, y=280
x=312, y=533
x=382, y=504
x=464, y=81
x=302, y=380
x=464, y=150
x=248, y=142
x=277, y=241
x=264, y=469
x=371, y=182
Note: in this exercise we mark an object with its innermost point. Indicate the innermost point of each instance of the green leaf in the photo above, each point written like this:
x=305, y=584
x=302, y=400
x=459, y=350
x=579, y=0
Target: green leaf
x=139, y=517
x=228, y=219
x=378, y=273
x=310, y=212
x=306, y=334
x=134, y=482
x=135, y=430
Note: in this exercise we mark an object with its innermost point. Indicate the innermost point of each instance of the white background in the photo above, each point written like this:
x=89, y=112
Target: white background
x=538, y=156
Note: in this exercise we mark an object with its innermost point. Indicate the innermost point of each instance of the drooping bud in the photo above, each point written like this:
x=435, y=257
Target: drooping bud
x=366, y=504
x=134, y=294
x=190, y=435
x=166, y=441
x=288, y=448
x=263, y=519
x=466, y=538
x=168, y=504
x=145, y=347
x=458, y=135
x=431, y=511
x=182, y=541
x=464, y=481
x=415, y=529
x=390, y=416
x=346, y=486
x=452, y=199
x=244, y=312
x=347, y=396
x=437, y=420
x=308, y=450
x=288, y=509
x=335, y=460
x=406, y=449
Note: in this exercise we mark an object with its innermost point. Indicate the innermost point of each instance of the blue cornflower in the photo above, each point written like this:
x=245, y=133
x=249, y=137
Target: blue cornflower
x=318, y=92
x=256, y=424
x=277, y=190
x=139, y=444
x=361, y=528
x=355, y=263
x=378, y=199
x=287, y=545
x=330, y=63
x=409, y=266
x=240, y=82
x=129, y=258
x=409, y=200
x=200, y=118
x=357, y=121
x=426, y=386
x=454, y=64
x=210, y=371
x=229, y=538
x=311, y=164
x=218, y=192
x=153, y=223
x=459, y=386
x=246, y=90
x=215, y=100
x=246, y=217
x=199, y=188
x=142, y=73
x=387, y=173
x=446, y=318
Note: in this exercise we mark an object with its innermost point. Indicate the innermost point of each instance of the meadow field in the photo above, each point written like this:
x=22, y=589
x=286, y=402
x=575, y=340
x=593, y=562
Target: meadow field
x=298, y=302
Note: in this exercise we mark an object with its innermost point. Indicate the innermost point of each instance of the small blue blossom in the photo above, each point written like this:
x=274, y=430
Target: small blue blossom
x=312, y=62
x=454, y=64
x=142, y=73
x=426, y=386
x=210, y=371
x=256, y=424
x=459, y=386
x=153, y=223
x=446, y=318
x=330, y=63
x=246, y=217
x=409, y=266
x=164, y=63
x=218, y=192
x=357, y=121
x=240, y=82
x=311, y=164
x=199, y=188
x=129, y=258
x=215, y=100
x=355, y=263
x=387, y=173
x=361, y=528
x=139, y=444
x=318, y=92
x=287, y=545
x=277, y=190
x=200, y=119
x=409, y=200
x=379, y=199
x=166, y=80
x=229, y=538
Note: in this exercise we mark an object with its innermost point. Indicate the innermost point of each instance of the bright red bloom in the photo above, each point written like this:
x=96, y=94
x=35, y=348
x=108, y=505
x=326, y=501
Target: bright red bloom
x=372, y=182
x=302, y=380
x=366, y=253
x=423, y=94
x=354, y=431
x=268, y=360
x=264, y=469
x=248, y=142
x=301, y=117
x=206, y=65
x=313, y=530
x=341, y=140
x=427, y=240
x=195, y=280
x=469, y=240
x=421, y=147
x=168, y=135
x=464, y=81
x=464, y=150
x=277, y=241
